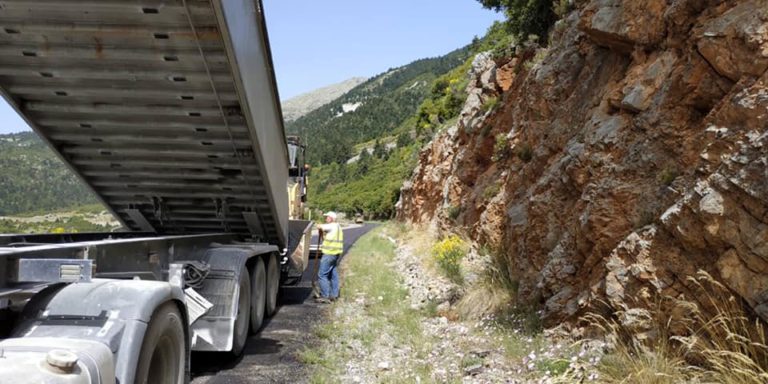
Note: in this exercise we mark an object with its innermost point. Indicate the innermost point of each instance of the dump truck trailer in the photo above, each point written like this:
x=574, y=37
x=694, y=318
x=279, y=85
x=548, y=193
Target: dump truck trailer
x=168, y=111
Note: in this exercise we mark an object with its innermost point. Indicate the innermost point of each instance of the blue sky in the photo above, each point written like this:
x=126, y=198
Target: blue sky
x=317, y=43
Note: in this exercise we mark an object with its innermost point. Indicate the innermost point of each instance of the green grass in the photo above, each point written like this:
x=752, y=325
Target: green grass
x=555, y=367
x=469, y=361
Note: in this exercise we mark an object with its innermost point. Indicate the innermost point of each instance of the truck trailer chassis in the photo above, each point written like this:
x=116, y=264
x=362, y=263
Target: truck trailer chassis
x=58, y=294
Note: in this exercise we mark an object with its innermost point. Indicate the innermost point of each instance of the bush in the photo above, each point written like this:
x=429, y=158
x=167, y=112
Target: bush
x=562, y=7
x=504, y=49
x=448, y=254
x=490, y=104
x=453, y=212
x=525, y=153
x=445, y=100
x=492, y=190
x=526, y=17
x=667, y=176
x=500, y=148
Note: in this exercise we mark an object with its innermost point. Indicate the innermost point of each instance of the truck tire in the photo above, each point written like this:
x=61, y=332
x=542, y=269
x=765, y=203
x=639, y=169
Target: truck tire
x=258, y=290
x=242, y=321
x=163, y=352
x=273, y=285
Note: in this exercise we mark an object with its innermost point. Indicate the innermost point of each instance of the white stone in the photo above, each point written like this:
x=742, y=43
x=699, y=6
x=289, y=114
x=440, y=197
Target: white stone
x=712, y=203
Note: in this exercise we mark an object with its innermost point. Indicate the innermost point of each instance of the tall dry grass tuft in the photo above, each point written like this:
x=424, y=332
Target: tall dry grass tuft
x=494, y=293
x=641, y=354
x=713, y=340
x=728, y=343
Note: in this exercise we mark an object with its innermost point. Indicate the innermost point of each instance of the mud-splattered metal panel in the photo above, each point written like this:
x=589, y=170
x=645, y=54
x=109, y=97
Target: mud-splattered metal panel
x=151, y=104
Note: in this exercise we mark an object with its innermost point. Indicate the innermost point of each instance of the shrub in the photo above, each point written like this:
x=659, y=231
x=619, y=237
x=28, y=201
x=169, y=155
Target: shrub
x=504, y=49
x=525, y=153
x=562, y=7
x=495, y=294
x=525, y=17
x=491, y=190
x=448, y=254
x=444, y=101
x=667, y=176
x=453, y=212
x=404, y=139
x=500, y=148
x=490, y=104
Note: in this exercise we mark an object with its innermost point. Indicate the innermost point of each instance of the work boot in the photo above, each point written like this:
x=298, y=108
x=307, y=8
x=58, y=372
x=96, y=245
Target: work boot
x=322, y=300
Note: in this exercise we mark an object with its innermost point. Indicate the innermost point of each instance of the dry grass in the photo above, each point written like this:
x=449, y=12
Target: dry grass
x=715, y=340
x=483, y=299
x=634, y=361
x=494, y=293
x=729, y=345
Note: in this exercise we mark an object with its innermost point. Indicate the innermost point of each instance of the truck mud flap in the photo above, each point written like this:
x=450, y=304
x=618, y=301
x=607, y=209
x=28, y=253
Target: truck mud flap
x=299, y=238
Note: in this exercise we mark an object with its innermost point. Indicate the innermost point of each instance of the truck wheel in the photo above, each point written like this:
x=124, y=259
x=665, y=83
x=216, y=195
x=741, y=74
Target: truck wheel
x=258, y=289
x=273, y=284
x=163, y=352
x=240, y=331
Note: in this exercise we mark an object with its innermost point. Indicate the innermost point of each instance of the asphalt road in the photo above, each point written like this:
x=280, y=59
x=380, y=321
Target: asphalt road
x=270, y=355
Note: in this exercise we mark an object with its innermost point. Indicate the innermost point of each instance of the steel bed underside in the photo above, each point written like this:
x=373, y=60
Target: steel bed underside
x=150, y=104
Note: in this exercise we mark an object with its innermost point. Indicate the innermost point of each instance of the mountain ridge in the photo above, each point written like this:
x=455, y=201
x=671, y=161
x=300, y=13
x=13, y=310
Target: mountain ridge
x=304, y=103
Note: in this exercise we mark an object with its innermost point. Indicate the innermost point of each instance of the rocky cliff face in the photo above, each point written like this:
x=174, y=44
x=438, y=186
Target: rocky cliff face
x=622, y=159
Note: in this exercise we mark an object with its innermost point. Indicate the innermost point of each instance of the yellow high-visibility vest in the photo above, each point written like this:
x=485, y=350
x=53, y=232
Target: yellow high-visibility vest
x=333, y=243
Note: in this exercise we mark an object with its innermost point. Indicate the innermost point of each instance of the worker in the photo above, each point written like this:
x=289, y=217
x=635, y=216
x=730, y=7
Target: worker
x=332, y=248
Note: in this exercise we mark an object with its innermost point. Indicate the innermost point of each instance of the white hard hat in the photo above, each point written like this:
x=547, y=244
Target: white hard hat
x=330, y=214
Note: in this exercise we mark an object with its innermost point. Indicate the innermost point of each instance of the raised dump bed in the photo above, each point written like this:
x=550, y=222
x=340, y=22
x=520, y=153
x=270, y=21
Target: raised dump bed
x=166, y=109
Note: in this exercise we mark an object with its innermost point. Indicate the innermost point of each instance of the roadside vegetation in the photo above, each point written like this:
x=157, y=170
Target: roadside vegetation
x=372, y=314
x=384, y=330
x=415, y=308
x=678, y=341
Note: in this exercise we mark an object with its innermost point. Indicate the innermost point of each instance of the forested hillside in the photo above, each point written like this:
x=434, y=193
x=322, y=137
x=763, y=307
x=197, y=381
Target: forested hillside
x=32, y=179
x=371, y=110
x=363, y=145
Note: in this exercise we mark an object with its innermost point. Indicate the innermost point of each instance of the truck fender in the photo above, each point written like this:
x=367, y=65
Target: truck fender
x=113, y=312
x=227, y=262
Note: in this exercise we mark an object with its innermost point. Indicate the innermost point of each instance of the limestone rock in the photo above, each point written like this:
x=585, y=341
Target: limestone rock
x=736, y=43
x=623, y=24
x=637, y=156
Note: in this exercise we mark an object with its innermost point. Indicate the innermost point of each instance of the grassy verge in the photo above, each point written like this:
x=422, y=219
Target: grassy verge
x=372, y=313
x=373, y=334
